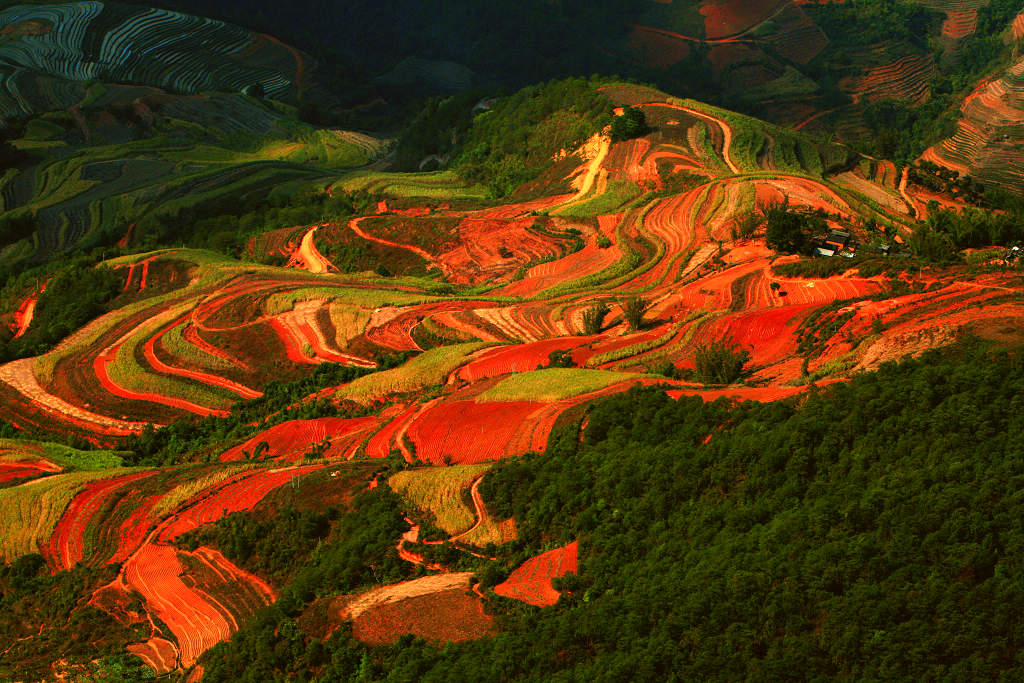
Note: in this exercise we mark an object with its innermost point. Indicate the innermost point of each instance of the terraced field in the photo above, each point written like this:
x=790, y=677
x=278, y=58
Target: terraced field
x=83, y=41
x=986, y=144
x=520, y=326
x=140, y=112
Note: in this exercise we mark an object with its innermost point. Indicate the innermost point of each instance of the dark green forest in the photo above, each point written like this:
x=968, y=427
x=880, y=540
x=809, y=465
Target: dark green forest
x=871, y=531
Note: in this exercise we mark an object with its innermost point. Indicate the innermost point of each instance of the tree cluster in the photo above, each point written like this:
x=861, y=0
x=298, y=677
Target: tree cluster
x=789, y=230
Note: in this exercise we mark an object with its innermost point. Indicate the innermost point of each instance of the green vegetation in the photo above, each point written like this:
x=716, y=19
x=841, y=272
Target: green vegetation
x=616, y=194
x=48, y=619
x=71, y=459
x=439, y=493
x=274, y=547
x=427, y=369
x=186, y=441
x=897, y=129
x=516, y=139
x=866, y=265
x=224, y=223
x=552, y=384
x=856, y=25
x=75, y=293
x=946, y=232
x=359, y=551
x=719, y=362
x=632, y=350
x=869, y=533
x=633, y=311
x=593, y=317
x=632, y=124
x=29, y=513
x=788, y=229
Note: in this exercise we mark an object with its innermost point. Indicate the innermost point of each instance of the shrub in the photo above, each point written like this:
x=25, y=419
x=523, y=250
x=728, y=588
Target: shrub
x=560, y=359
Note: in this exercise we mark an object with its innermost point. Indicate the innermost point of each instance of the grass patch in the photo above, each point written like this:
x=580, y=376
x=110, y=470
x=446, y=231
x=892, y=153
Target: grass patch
x=616, y=194
x=427, y=369
x=438, y=491
x=553, y=384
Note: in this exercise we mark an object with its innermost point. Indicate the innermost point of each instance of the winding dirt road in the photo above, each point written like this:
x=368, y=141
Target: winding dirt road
x=479, y=509
x=308, y=257
x=906, y=195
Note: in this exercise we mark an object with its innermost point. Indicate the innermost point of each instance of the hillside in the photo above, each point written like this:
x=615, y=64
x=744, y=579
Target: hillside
x=116, y=114
x=836, y=67
x=310, y=449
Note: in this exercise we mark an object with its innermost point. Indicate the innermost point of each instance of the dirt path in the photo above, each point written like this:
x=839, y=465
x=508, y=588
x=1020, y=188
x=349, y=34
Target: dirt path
x=358, y=604
x=814, y=117
x=906, y=195
x=480, y=510
x=412, y=536
x=354, y=224
x=596, y=148
x=27, y=309
x=309, y=256
x=23, y=316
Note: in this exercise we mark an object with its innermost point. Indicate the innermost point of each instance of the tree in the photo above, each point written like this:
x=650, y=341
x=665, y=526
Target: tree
x=593, y=317
x=720, y=362
x=632, y=124
x=788, y=229
x=633, y=311
x=560, y=359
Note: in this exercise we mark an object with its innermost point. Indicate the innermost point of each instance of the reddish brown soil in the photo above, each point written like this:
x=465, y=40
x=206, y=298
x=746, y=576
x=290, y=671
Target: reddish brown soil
x=517, y=358
x=384, y=441
x=100, y=369
x=531, y=582
x=149, y=350
x=726, y=18
x=657, y=48
x=66, y=546
x=465, y=432
x=446, y=616
x=294, y=438
x=26, y=311
x=158, y=653
x=12, y=473
x=197, y=619
x=241, y=494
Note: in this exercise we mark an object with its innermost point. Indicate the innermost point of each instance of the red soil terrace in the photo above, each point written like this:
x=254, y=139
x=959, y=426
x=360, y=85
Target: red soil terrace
x=294, y=438
x=466, y=432
x=531, y=582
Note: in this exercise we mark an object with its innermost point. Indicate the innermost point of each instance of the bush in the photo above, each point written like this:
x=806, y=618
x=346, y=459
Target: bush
x=560, y=359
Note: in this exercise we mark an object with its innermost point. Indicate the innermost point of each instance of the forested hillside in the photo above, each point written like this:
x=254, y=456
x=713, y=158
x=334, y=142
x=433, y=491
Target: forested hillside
x=868, y=533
